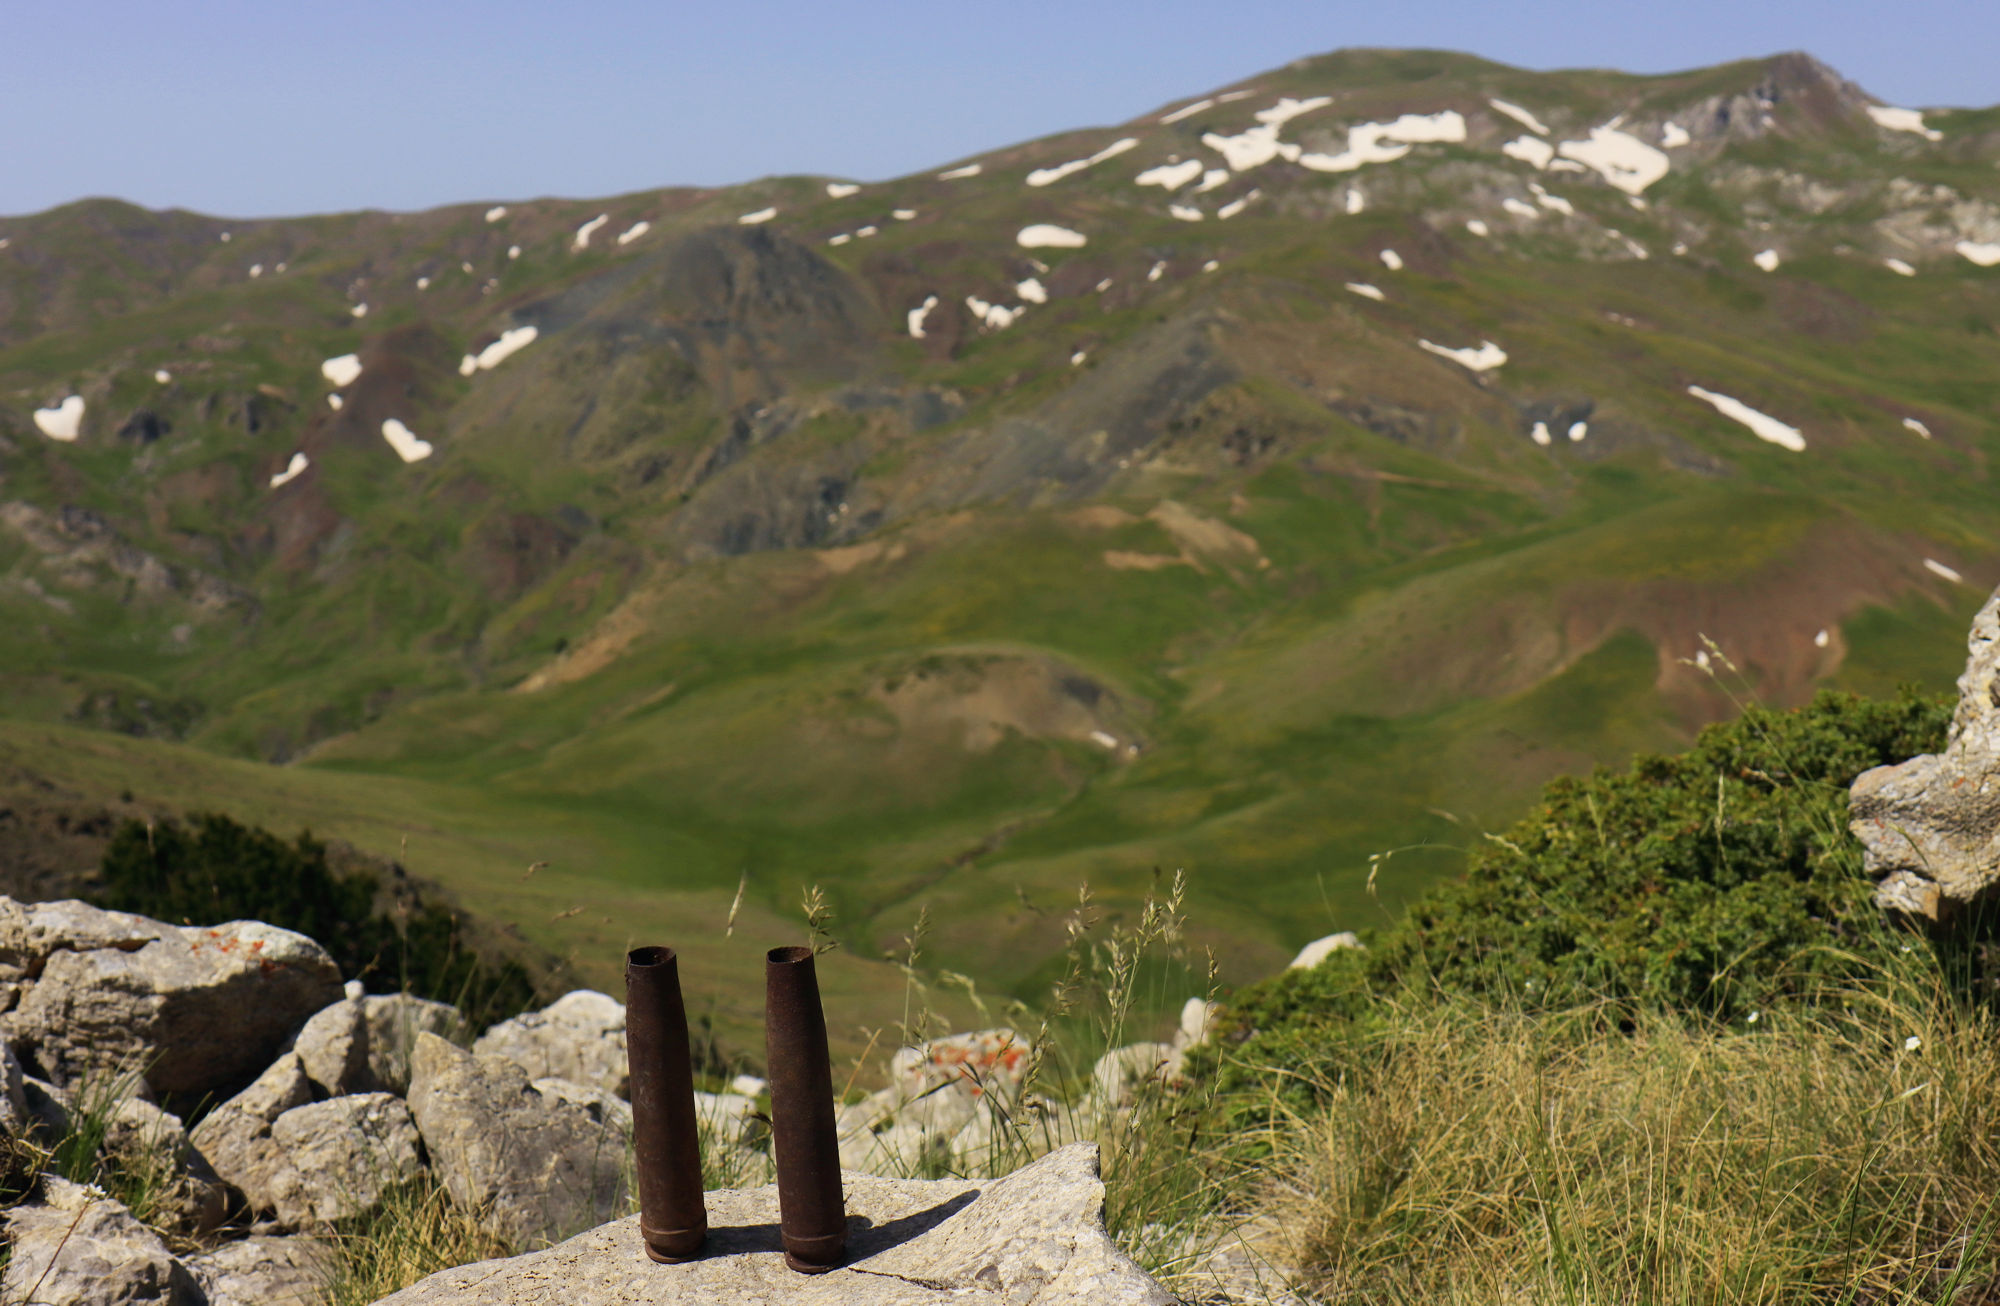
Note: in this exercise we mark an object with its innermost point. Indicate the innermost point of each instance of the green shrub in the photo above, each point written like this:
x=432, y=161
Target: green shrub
x=1711, y=883
x=212, y=869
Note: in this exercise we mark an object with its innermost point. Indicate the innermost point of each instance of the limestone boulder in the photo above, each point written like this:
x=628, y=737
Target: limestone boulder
x=1035, y=1238
x=139, y=1138
x=336, y=1158
x=1320, y=949
x=727, y=1117
x=540, y=1158
x=30, y=933
x=333, y=1048
x=77, y=1247
x=236, y=1136
x=1123, y=1074
x=14, y=1114
x=200, y=1008
x=1930, y=827
x=943, y=1084
x=394, y=1021
x=265, y=1270
x=579, y=1037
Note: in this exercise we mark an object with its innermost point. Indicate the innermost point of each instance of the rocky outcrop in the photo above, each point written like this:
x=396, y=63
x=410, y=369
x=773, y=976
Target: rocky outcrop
x=333, y=1048
x=265, y=1270
x=541, y=1158
x=579, y=1037
x=77, y=1247
x=1930, y=827
x=236, y=1136
x=338, y=1157
x=200, y=1009
x=1035, y=1238
x=394, y=1021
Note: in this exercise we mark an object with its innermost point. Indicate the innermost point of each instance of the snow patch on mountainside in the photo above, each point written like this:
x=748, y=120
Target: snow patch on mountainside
x=760, y=216
x=342, y=370
x=1483, y=359
x=1762, y=425
x=583, y=234
x=62, y=422
x=407, y=446
x=1903, y=120
x=1049, y=176
x=510, y=343
x=1046, y=235
x=1367, y=291
x=497, y=212
x=918, y=314
x=1385, y=142
x=959, y=174
x=840, y=190
x=291, y=473
x=625, y=237
x=1520, y=115
x=1985, y=255
x=1187, y=111
x=1172, y=176
x=1621, y=159
x=1530, y=150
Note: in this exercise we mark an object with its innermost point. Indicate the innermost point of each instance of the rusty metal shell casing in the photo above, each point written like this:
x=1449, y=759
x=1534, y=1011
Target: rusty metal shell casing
x=673, y=1218
x=812, y=1210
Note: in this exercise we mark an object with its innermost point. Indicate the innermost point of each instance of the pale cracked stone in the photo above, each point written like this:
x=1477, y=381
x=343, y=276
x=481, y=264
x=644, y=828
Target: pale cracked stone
x=339, y=1156
x=579, y=1037
x=236, y=1136
x=394, y=1021
x=333, y=1048
x=201, y=1008
x=77, y=1247
x=1034, y=1238
x=265, y=1270
x=1930, y=827
x=30, y=933
x=943, y=1084
x=539, y=1160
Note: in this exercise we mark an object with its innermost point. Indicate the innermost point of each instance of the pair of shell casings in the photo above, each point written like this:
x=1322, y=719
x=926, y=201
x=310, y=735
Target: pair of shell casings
x=673, y=1218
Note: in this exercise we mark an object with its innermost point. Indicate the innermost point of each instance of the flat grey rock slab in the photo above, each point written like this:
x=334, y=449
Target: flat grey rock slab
x=1034, y=1238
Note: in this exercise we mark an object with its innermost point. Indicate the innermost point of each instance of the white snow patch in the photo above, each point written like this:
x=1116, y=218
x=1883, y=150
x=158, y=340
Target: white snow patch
x=902, y=215
x=1822, y=639
x=359, y=310
x=1899, y=267
x=1076, y=359
x=256, y=270
x=1933, y=565
x=1540, y=435
x=1673, y=136
x=1367, y=291
x=1621, y=159
x=1251, y=148
x=865, y=232
x=1032, y=290
x=1520, y=115
x=423, y=283
x=1044, y=235
x=1767, y=260
x=5, y=242
x=1048, y=176
x=918, y=314
x=1566, y=165
x=291, y=473
x=1638, y=202
x=1577, y=430
x=510, y=343
x=341, y=371
x=1356, y=201
x=1103, y=285
x=1185, y=212
x=1172, y=176
x=1680, y=249
x=840, y=190
x=162, y=375
x=1984, y=255
x=957, y=174
x=1903, y=120
x=1287, y=109
x=335, y=402
x=1762, y=426
x=1231, y=97
x=761, y=215
x=497, y=212
x=841, y=239
x=407, y=446
x=1187, y=111
x=1520, y=209
x=1385, y=142
x=625, y=237
x=225, y=238
x=1236, y=206
x=514, y=251
x=583, y=233
x=1154, y=273
x=1211, y=179
x=1211, y=265
x=1392, y=260
x=1483, y=359
x=1912, y=424
x=1103, y=740
x=996, y=316
x=1553, y=203
x=1530, y=150
x=62, y=422
x=1477, y=228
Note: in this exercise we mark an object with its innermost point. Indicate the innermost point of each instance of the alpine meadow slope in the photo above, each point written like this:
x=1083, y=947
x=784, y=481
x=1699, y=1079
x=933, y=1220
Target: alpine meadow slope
x=1300, y=471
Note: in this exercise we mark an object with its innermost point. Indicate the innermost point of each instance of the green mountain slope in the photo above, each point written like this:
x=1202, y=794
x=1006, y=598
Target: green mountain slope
x=1297, y=473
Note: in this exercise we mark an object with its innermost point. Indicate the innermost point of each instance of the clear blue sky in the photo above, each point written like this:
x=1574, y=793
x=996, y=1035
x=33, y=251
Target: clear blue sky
x=261, y=107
